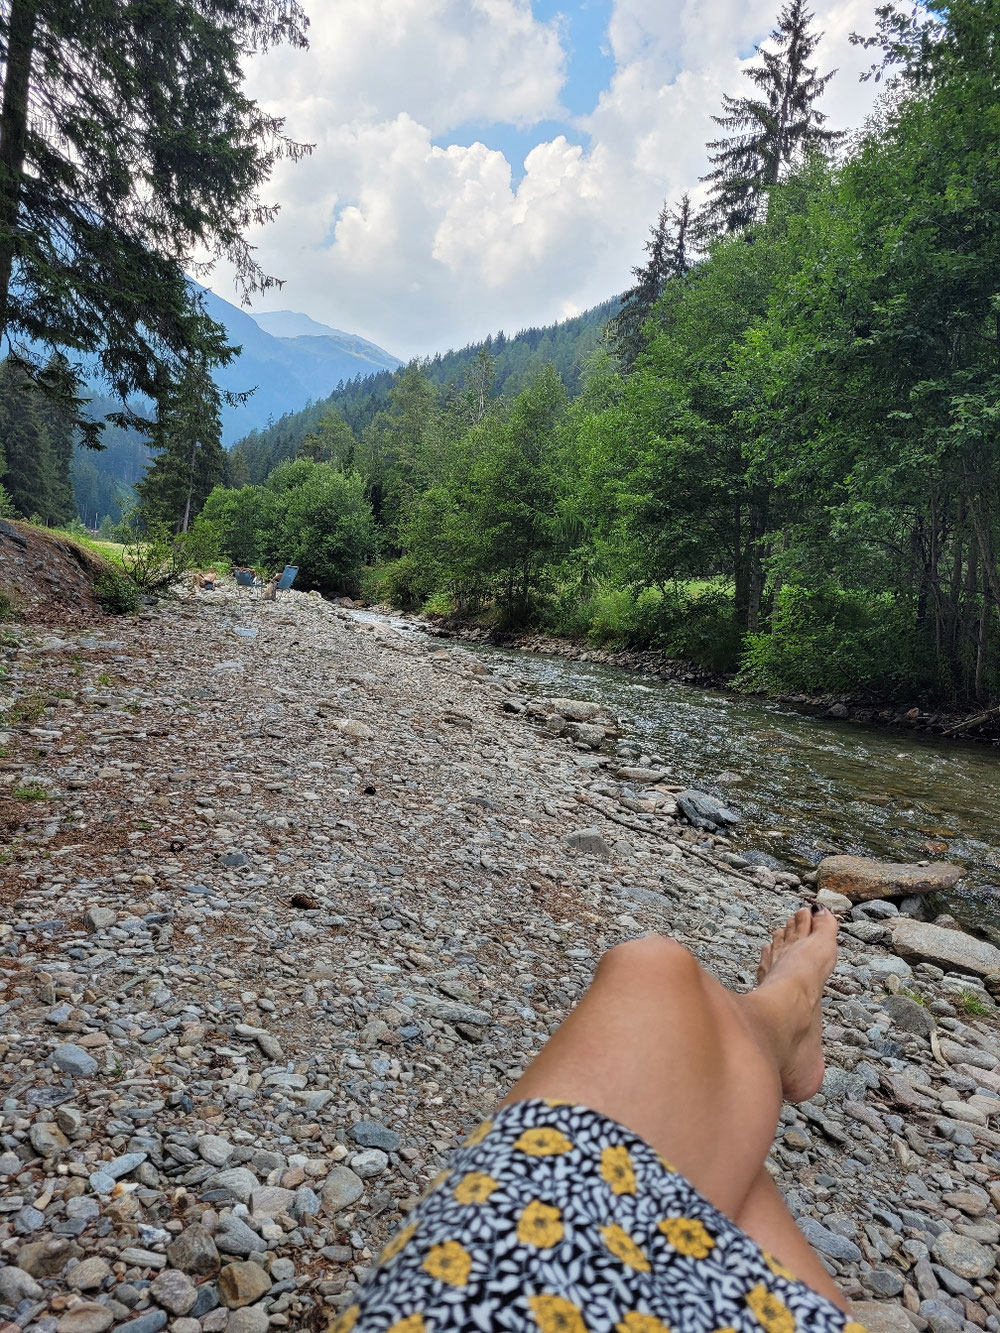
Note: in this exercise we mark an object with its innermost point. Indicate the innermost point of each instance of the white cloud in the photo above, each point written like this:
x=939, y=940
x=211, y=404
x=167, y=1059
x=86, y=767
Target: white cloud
x=422, y=247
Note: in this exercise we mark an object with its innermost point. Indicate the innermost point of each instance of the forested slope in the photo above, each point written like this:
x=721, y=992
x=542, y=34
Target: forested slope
x=566, y=345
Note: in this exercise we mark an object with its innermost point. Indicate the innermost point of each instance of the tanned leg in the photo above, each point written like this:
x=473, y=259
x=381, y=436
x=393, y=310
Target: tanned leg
x=660, y=1046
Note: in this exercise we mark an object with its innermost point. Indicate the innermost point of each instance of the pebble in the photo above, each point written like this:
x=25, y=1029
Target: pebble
x=295, y=964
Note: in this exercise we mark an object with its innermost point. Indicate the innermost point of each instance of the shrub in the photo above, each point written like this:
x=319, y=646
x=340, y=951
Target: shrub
x=402, y=583
x=842, y=642
x=117, y=594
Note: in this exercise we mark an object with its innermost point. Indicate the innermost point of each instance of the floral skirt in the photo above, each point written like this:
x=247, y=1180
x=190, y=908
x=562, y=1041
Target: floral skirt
x=554, y=1219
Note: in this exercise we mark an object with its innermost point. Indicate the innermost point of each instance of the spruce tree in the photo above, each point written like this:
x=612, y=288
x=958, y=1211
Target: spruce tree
x=772, y=129
x=25, y=442
x=129, y=151
x=190, y=459
x=670, y=247
x=58, y=415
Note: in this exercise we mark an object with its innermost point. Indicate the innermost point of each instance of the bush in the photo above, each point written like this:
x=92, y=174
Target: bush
x=402, y=583
x=7, y=509
x=320, y=520
x=688, y=621
x=828, y=640
x=117, y=594
x=153, y=557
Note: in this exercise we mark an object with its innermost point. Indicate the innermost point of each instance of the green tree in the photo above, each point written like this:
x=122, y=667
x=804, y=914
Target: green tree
x=671, y=248
x=128, y=149
x=190, y=460
x=772, y=130
x=24, y=441
x=332, y=441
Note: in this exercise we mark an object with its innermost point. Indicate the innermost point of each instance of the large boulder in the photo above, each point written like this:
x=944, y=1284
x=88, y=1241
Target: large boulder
x=704, y=811
x=862, y=880
x=922, y=942
x=574, y=710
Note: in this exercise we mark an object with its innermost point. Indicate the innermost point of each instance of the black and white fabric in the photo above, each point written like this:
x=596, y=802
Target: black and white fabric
x=554, y=1219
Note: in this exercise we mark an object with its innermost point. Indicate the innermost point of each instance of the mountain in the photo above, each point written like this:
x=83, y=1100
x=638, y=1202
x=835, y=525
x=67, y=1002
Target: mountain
x=566, y=346
x=285, y=370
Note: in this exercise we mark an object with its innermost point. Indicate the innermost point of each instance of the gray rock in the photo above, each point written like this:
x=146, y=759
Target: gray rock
x=370, y=1163
x=16, y=1285
x=238, y=1180
x=194, y=1251
x=589, y=841
x=151, y=1322
x=907, y=1015
x=270, y=1200
x=99, y=918
x=233, y=1236
x=370, y=1134
x=173, y=1290
x=251, y=1319
x=341, y=1189
x=46, y=1258
x=87, y=1317
x=124, y=1165
x=47, y=1140
x=880, y=1317
x=306, y=1204
x=963, y=1255
x=884, y=1282
x=828, y=1242
x=214, y=1149
x=704, y=811
x=73, y=1060
x=947, y=948
x=89, y=1275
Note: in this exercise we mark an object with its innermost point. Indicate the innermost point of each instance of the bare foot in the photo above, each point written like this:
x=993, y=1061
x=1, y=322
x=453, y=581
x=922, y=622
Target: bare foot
x=793, y=971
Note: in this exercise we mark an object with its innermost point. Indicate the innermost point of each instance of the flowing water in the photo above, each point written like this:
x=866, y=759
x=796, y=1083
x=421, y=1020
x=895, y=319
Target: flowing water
x=805, y=788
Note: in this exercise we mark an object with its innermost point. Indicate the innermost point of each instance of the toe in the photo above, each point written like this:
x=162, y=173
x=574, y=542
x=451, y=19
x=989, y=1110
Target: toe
x=764, y=966
x=801, y=923
x=778, y=938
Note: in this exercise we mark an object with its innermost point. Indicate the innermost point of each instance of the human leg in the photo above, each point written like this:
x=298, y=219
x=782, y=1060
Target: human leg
x=660, y=1046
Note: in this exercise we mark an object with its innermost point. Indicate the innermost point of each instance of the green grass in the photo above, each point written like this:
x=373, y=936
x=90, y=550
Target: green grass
x=25, y=710
x=31, y=791
x=974, y=1005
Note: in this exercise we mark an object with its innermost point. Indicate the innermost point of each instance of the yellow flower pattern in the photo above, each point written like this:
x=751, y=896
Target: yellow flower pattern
x=450, y=1262
x=478, y=1134
x=540, y=1225
x=554, y=1219
x=770, y=1310
x=623, y=1247
x=347, y=1320
x=398, y=1242
x=413, y=1323
x=555, y=1314
x=635, y=1322
x=475, y=1187
x=543, y=1142
x=617, y=1169
x=687, y=1236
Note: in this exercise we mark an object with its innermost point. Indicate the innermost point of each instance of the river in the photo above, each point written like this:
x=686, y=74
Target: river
x=805, y=788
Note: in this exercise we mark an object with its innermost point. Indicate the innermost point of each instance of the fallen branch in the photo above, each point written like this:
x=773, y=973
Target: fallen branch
x=973, y=721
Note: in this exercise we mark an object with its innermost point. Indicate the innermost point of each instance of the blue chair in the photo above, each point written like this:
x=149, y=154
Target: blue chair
x=287, y=578
x=245, y=577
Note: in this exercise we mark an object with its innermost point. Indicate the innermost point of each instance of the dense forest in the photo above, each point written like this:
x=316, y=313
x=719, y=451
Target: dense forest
x=777, y=455
x=566, y=346
x=783, y=457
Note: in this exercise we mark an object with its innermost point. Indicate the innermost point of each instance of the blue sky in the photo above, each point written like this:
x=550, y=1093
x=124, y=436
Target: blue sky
x=415, y=222
x=589, y=68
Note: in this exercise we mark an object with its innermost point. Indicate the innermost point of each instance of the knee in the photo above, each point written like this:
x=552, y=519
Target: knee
x=655, y=958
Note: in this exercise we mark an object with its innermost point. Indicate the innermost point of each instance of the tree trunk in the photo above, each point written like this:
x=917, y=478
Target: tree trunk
x=14, y=138
x=757, y=528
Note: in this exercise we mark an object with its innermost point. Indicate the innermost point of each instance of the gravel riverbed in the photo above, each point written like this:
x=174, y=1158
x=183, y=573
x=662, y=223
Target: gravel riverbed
x=288, y=901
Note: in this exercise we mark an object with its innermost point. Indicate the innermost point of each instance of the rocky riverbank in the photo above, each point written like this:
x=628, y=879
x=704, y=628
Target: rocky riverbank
x=288, y=902
x=978, y=725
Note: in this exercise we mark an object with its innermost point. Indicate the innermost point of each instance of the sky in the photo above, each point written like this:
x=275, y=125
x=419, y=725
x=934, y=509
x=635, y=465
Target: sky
x=492, y=164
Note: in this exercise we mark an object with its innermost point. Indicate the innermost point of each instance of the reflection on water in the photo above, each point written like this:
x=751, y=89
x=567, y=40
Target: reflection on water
x=808, y=788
